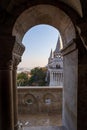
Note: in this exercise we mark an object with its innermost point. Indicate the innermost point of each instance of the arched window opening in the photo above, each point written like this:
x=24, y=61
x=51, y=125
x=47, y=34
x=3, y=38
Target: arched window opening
x=42, y=60
x=38, y=60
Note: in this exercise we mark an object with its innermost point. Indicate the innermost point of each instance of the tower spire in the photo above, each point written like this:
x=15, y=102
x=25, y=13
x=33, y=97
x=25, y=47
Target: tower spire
x=57, y=50
x=51, y=53
x=50, y=57
x=57, y=46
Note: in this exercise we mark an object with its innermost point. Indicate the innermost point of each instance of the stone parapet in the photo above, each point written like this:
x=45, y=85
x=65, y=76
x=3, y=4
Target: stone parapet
x=39, y=99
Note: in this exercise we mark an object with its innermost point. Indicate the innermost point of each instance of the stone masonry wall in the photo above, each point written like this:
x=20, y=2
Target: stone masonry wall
x=39, y=99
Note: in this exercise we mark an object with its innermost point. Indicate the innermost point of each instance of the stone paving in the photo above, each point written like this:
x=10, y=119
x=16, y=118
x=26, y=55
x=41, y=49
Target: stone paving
x=40, y=120
x=45, y=128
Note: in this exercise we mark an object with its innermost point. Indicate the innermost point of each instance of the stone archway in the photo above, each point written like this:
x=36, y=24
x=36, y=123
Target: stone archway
x=45, y=14
x=75, y=56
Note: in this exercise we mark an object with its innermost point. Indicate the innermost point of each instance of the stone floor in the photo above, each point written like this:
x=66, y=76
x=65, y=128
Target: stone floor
x=40, y=120
x=44, y=128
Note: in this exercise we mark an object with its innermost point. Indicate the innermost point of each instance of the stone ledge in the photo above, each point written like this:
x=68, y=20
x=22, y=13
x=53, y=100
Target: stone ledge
x=39, y=87
x=45, y=128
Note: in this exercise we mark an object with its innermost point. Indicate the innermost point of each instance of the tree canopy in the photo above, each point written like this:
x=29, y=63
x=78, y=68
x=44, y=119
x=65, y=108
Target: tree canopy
x=37, y=77
x=22, y=79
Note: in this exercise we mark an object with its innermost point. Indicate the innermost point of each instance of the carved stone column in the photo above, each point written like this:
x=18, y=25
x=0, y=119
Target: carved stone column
x=15, y=97
x=10, y=55
x=17, y=52
x=6, y=83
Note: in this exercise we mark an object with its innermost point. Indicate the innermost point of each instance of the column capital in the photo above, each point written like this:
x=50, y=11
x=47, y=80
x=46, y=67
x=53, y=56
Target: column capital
x=10, y=52
x=6, y=47
x=16, y=61
x=17, y=53
x=18, y=49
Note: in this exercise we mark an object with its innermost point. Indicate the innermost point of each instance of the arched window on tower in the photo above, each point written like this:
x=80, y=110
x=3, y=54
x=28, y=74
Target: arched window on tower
x=58, y=66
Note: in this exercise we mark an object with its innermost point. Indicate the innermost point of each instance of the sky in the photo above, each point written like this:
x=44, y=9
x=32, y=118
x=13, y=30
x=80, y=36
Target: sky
x=38, y=42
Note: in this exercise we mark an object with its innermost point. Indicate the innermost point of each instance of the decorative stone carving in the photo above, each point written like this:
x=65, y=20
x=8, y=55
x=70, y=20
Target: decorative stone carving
x=16, y=61
x=10, y=64
x=10, y=52
x=17, y=53
x=18, y=48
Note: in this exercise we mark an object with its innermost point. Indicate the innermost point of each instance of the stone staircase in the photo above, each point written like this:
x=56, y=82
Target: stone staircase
x=44, y=128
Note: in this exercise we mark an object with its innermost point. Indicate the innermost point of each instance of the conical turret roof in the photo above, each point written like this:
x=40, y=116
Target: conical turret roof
x=51, y=53
x=57, y=46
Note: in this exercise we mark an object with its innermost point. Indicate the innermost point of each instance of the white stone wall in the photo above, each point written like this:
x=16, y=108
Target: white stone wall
x=56, y=77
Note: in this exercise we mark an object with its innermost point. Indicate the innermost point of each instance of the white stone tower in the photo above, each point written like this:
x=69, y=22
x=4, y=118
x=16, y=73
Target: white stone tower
x=55, y=67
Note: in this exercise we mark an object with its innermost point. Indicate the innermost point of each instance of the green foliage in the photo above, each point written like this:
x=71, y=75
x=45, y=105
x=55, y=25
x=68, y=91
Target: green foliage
x=22, y=79
x=38, y=76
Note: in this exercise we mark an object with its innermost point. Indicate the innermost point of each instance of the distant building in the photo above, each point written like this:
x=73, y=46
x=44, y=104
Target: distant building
x=55, y=67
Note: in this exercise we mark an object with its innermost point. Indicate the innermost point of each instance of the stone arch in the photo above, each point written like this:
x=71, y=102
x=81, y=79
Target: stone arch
x=44, y=14
x=52, y=15
x=72, y=60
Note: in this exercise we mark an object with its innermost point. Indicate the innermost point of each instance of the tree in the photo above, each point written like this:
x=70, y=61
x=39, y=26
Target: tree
x=38, y=76
x=22, y=79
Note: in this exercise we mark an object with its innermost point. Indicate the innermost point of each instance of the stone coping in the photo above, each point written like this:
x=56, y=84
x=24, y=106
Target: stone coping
x=40, y=87
x=45, y=128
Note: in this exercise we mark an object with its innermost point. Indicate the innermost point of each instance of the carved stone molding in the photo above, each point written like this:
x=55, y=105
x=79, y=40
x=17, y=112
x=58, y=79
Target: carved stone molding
x=10, y=52
x=10, y=64
x=17, y=53
x=16, y=61
x=18, y=48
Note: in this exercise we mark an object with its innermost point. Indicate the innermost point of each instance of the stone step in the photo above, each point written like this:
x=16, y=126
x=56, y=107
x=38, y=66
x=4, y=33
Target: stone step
x=44, y=128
